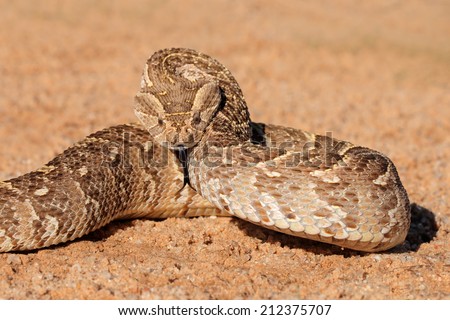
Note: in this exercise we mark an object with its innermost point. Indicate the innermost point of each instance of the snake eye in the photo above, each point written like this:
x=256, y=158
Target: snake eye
x=196, y=118
x=160, y=122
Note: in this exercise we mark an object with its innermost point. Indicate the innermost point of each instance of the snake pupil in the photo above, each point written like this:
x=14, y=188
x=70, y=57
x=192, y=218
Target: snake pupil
x=196, y=118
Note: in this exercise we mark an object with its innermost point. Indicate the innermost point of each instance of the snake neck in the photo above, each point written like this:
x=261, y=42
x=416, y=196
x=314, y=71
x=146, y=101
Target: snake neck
x=232, y=122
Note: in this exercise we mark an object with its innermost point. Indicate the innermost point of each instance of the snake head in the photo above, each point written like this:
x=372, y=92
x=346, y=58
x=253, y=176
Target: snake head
x=177, y=113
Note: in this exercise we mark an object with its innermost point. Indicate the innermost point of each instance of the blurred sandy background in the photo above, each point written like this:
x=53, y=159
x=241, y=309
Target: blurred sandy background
x=376, y=73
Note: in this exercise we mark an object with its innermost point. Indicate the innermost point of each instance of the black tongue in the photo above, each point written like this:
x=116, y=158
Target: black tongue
x=182, y=153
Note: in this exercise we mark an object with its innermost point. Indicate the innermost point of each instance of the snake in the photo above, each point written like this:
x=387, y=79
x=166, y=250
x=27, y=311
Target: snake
x=196, y=152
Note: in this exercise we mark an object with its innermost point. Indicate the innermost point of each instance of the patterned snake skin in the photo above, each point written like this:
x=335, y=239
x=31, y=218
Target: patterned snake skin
x=198, y=153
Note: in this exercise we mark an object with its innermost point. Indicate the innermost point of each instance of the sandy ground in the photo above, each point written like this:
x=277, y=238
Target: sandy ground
x=374, y=73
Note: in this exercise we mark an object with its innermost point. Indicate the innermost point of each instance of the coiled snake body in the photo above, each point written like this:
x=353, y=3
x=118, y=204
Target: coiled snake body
x=197, y=153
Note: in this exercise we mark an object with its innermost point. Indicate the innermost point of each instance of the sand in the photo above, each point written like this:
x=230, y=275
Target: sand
x=374, y=73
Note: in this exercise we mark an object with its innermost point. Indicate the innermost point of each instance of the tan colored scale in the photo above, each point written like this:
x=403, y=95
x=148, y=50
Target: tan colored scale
x=284, y=179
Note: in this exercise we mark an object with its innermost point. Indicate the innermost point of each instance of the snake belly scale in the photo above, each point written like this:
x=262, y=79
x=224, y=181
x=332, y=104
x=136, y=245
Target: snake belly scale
x=191, y=108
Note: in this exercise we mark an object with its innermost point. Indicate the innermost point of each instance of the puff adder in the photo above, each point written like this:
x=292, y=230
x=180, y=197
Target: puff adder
x=196, y=152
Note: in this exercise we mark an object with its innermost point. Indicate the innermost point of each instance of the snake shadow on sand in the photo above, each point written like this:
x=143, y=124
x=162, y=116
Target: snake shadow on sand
x=422, y=230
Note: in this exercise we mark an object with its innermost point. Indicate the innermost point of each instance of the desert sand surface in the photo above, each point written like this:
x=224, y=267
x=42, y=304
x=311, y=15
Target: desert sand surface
x=376, y=73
